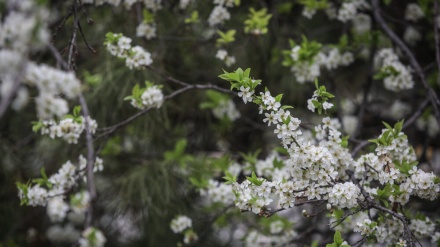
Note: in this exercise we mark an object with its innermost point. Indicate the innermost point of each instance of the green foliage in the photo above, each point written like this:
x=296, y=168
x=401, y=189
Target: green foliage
x=137, y=91
x=321, y=96
x=338, y=213
x=240, y=78
x=229, y=178
x=384, y=194
x=250, y=157
x=338, y=241
x=76, y=116
x=385, y=72
x=255, y=180
x=112, y=38
x=194, y=18
x=214, y=99
x=314, y=4
x=43, y=181
x=178, y=155
x=389, y=135
x=92, y=80
x=344, y=141
x=37, y=125
x=257, y=22
x=306, y=54
x=404, y=166
x=24, y=188
x=285, y=8
x=225, y=37
x=148, y=16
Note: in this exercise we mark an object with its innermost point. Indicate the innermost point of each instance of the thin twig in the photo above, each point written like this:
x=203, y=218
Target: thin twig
x=370, y=203
x=54, y=35
x=368, y=85
x=435, y=102
x=407, y=124
x=85, y=111
x=84, y=38
x=185, y=84
x=436, y=35
x=416, y=114
x=109, y=130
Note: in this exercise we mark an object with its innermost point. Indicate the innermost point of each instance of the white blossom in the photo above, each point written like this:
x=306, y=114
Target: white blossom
x=180, y=223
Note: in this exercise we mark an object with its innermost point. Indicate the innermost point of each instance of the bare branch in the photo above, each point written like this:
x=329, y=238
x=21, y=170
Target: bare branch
x=435, y=102
x=436, y=36
x=89, y=139
x=109, y=130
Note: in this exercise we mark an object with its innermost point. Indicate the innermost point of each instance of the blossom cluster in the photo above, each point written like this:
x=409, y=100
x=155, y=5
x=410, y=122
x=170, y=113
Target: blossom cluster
x=413, y=12
x=223, y=56
x=25, y=27
x=120, y=46
x=428, y=123
x=349, y=9
x=397, y=77
x=217, y=192
x=220, y=13
x=69, y=129
x=316, y=170
x=55, y=186
x=226, y=109
x=146, y=30
x=307, y=69
x=180, y=223
x=148, y=97
x=313, y=168
x=52, y=84
x=344, y=195
x=315, y=97
x=92, y=237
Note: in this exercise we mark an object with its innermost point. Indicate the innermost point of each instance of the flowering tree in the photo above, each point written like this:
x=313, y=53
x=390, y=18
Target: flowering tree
x=125, y=123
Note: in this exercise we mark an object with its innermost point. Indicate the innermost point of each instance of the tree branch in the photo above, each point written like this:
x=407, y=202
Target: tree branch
x=89, y=139
x=109, y=130
x=436, y=36
x=435, y=102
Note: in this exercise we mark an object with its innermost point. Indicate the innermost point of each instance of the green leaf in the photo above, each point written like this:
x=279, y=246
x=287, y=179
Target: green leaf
x=199, y=183
x=278, y=163
x=255, y=180
x=77, y=111
x=387, y=125
x=278, y=97
x=284, y=107
x=36, y=126
x=344, y=141
x=92, y=80
x=257, y=22
x=226, y=37
x=338, y=238
x=178, y=153
x=230, y=179
x=338, y=213
x=148, y=16
x=194, y=18
x=398, y=127
x=251, y=157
